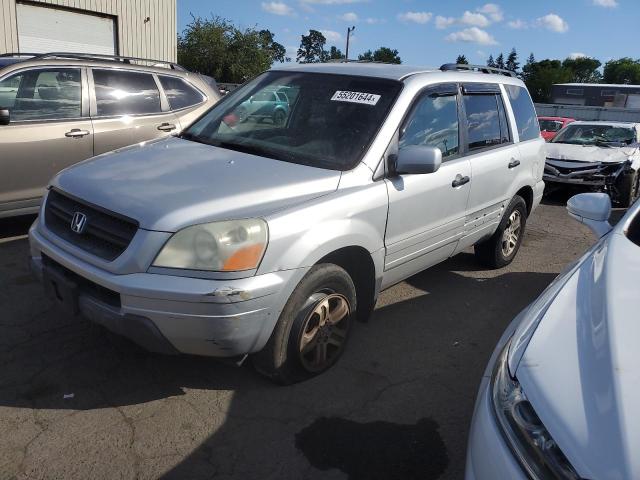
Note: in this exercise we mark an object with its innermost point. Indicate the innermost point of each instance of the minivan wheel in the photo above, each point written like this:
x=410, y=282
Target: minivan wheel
x=313, y=328
x=628, y=189
x=500, y=250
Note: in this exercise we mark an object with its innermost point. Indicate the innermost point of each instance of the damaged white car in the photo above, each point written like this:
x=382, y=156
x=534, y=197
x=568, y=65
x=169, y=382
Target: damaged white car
x=601, y=156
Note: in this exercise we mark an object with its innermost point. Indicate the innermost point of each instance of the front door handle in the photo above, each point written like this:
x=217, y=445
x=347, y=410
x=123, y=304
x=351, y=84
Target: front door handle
x=514, y=163
x=459, y=181
x=166, y=127
x=76, y=133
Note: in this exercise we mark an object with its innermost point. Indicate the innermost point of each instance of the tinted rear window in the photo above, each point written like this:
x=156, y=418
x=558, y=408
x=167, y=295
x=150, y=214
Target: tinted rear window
x=483, y=121
x=179, y=93
x=125, y=93
x=525, y=113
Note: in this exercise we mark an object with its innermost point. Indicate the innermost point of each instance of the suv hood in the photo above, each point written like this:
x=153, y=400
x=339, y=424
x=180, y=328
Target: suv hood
x=589, y=153
x=581, y=369
x=174, y=183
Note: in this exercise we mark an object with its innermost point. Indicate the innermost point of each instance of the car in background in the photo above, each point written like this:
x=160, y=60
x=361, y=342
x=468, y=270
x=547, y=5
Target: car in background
x=559, y=398
x=59, y=109
x=598, y=156
x=267, y=104
x=550, y=126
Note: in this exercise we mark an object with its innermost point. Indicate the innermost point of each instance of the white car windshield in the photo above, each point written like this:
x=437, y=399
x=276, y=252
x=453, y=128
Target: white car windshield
x=603, y=135
x=322, y=120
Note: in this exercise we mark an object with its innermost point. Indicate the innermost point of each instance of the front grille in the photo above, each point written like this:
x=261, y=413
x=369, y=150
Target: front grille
x=106, y=234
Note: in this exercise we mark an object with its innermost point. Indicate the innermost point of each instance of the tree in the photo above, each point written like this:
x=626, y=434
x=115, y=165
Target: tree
x=623, y=71
x=215, y=47
x=335, y=54
x=512, y=61
x=462, y=60
x=583, y=69
x=528, y=67
x=540, y=76
x=312, y=48
x=383, y=55
x=491, y=62
x=500, y=61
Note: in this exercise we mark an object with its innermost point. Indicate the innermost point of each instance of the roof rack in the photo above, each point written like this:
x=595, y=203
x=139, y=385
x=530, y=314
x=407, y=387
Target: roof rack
x=95, y=56
x=448, y=67
x=344, y=60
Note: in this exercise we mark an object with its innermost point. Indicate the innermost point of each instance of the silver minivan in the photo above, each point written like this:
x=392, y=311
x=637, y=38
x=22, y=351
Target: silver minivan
x=58, y=109
x=255, y=236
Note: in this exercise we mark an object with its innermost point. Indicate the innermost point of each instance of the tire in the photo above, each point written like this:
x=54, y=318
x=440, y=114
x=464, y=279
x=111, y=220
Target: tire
x=279, y=117
x=501, y=248
x=627, y=189
x=282, y=359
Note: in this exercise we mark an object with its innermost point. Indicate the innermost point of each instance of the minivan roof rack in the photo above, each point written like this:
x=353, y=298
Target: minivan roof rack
x=448, y=67
x=94, y=56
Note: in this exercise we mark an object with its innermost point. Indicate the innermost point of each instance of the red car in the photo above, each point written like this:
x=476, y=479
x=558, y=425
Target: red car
x=550, y=126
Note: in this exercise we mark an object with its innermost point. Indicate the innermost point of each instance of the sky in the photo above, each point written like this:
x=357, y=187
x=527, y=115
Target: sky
x=428, y=32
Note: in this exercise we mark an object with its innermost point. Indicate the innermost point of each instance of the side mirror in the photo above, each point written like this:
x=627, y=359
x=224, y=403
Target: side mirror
x=592, y=209
x=5, y=116
x=418, y=159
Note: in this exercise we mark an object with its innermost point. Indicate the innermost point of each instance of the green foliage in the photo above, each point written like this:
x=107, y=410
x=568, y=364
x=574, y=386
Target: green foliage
x=215, y=47
x=500, y=61
x=335, y=54
x=491, y=62
x=462, y=60
x=312, y=48
x=583, y=69
x=512, y=61
x=625, y=71
x=540, y=77
x=383, y=54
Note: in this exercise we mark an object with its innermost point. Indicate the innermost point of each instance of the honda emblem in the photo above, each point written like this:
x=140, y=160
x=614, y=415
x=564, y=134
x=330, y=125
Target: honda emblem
x=78, y=222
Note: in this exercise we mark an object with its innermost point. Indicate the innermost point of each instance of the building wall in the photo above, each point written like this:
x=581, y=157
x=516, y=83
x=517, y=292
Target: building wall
x=155, y=39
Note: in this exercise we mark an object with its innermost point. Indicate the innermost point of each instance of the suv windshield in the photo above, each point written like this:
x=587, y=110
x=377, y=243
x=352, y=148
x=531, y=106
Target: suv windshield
x=322, y=120
x=596, y=135
x=550, y=125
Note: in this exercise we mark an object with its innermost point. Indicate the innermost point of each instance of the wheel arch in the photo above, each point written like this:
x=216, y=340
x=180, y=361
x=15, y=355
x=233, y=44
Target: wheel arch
x=526, y=193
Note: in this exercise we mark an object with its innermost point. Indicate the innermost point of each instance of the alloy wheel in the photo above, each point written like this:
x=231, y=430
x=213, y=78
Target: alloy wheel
x=511, y=233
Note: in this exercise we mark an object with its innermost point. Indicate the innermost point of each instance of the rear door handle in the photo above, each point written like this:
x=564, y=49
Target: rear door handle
x=166, y=127
x=514, y=163
x=459, y=181
x=76, y=133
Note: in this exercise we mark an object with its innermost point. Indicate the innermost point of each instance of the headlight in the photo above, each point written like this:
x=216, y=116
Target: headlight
x=221, y=246
x=528, y=438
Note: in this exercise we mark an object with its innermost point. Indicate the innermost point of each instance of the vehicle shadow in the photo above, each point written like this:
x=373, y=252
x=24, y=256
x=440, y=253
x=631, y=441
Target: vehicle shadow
x=560, y=197
x=409, y=377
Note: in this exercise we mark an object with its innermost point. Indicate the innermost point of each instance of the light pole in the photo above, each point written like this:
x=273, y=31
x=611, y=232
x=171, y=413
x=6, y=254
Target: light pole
x=349, y=32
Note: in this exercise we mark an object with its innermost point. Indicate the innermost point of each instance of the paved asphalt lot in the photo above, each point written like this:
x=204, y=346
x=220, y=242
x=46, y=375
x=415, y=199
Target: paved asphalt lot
x=398, y=404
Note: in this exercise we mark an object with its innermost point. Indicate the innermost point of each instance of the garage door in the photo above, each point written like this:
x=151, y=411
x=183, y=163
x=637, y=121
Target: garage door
x=44, y=29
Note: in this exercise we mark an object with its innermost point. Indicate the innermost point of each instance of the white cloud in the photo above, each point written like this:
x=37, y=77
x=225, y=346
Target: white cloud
x=277, y=8
x=493, y=10
x=474, y=19
x=472, y=35
x=373, y=21
x=606, y=3
x=553, y=22
x=416, y=17
x=348, y=17
x=332, y=2
x=576, y=55
x=331, y=36
x=444, y=22
x=517, y=24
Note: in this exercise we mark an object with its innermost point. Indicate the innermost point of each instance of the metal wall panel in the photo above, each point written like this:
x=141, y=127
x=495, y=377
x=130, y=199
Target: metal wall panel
x=611, y=114
x=137, y=37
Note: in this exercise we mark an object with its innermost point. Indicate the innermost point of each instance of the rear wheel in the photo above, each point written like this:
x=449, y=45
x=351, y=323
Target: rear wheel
x=628, y=189
x=500, y=250
x=313, y=328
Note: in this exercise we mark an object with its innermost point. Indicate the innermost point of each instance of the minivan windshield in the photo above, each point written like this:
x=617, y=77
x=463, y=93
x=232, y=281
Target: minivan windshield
x=316, y=119
x=601, y=135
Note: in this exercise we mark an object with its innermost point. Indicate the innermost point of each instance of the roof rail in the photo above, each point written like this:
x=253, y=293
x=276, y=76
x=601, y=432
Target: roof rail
x=448, y=67
x=344, y=60
x=95, y=56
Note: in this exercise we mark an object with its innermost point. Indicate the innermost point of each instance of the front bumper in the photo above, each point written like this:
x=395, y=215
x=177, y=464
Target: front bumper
x=586, y=174
x=169, y=314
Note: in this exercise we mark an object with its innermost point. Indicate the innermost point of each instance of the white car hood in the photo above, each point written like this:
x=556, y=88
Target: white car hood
x=589, y=153
x=581, y=369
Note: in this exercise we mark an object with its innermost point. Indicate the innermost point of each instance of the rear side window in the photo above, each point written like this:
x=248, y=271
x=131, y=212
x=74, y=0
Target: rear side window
x=125, y=93
x=42, y=94
x=434, y=123
x=179, y=93
x=483, y=121
x=525, y=113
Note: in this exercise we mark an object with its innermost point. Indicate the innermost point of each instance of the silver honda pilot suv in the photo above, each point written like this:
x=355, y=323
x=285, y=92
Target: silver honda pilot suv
x=250, y=235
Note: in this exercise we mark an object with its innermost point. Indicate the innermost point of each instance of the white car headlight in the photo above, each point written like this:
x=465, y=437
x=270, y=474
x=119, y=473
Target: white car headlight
x=524, y=432
x=228, y=246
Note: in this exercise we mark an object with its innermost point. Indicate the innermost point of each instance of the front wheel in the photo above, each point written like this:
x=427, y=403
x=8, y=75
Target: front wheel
x=628, y=186
x=313, y=328
x=500, y=250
